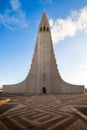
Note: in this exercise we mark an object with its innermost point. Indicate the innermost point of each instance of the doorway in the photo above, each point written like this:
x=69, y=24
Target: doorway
x=44, y=90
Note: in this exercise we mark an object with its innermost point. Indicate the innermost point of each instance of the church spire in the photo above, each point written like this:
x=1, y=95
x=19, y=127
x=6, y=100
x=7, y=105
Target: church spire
x=44, y=24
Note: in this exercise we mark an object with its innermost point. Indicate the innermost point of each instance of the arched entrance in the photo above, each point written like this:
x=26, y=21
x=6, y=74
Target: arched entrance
x=44, y=90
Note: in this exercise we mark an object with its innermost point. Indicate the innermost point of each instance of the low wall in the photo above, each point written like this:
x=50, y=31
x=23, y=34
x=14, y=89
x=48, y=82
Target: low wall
x=70, y=88
x=62, y=87
x=15, y=88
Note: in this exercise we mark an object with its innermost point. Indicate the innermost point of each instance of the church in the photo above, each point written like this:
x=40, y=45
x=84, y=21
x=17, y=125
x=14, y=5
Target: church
x=44, y=76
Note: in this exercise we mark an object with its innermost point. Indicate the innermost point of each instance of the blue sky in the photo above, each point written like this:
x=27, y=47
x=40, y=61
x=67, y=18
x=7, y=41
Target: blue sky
x=19, y=20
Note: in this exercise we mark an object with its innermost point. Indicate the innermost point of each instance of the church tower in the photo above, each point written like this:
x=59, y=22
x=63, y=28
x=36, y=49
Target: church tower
x=43, y=76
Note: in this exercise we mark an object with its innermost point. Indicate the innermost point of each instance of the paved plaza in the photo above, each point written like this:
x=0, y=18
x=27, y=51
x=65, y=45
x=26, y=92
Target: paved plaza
x=43, y=112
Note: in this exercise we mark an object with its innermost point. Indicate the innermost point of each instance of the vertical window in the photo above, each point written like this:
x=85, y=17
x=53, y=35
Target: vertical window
x=47, y=29
x=41, y=29
x=44, y=28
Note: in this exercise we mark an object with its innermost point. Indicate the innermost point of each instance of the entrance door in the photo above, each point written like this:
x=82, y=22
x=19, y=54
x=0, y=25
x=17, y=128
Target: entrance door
x=43, y=90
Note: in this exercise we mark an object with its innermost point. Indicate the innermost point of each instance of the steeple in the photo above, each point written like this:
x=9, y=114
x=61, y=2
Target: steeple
x=44, y=24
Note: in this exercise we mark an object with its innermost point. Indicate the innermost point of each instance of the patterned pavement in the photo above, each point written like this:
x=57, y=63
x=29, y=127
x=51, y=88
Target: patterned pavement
x=43, y=112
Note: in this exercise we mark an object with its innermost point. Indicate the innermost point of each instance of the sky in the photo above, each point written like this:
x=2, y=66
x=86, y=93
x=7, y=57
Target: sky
x=19, y=21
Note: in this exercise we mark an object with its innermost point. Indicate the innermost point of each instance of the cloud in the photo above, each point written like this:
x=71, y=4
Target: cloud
x=16, y=5
x=14, y=17
x=68, y=27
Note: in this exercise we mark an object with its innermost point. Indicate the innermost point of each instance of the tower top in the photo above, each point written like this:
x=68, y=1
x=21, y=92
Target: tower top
x=44, y=24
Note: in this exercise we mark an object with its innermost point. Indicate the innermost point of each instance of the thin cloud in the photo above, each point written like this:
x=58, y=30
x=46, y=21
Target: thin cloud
x=62, y=28
x=14, y=17
x=15, y=4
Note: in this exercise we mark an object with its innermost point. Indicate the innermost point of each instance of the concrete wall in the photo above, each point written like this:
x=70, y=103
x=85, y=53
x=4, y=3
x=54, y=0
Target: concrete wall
x=70, y=88
x=60, y=88
x=15, y=88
